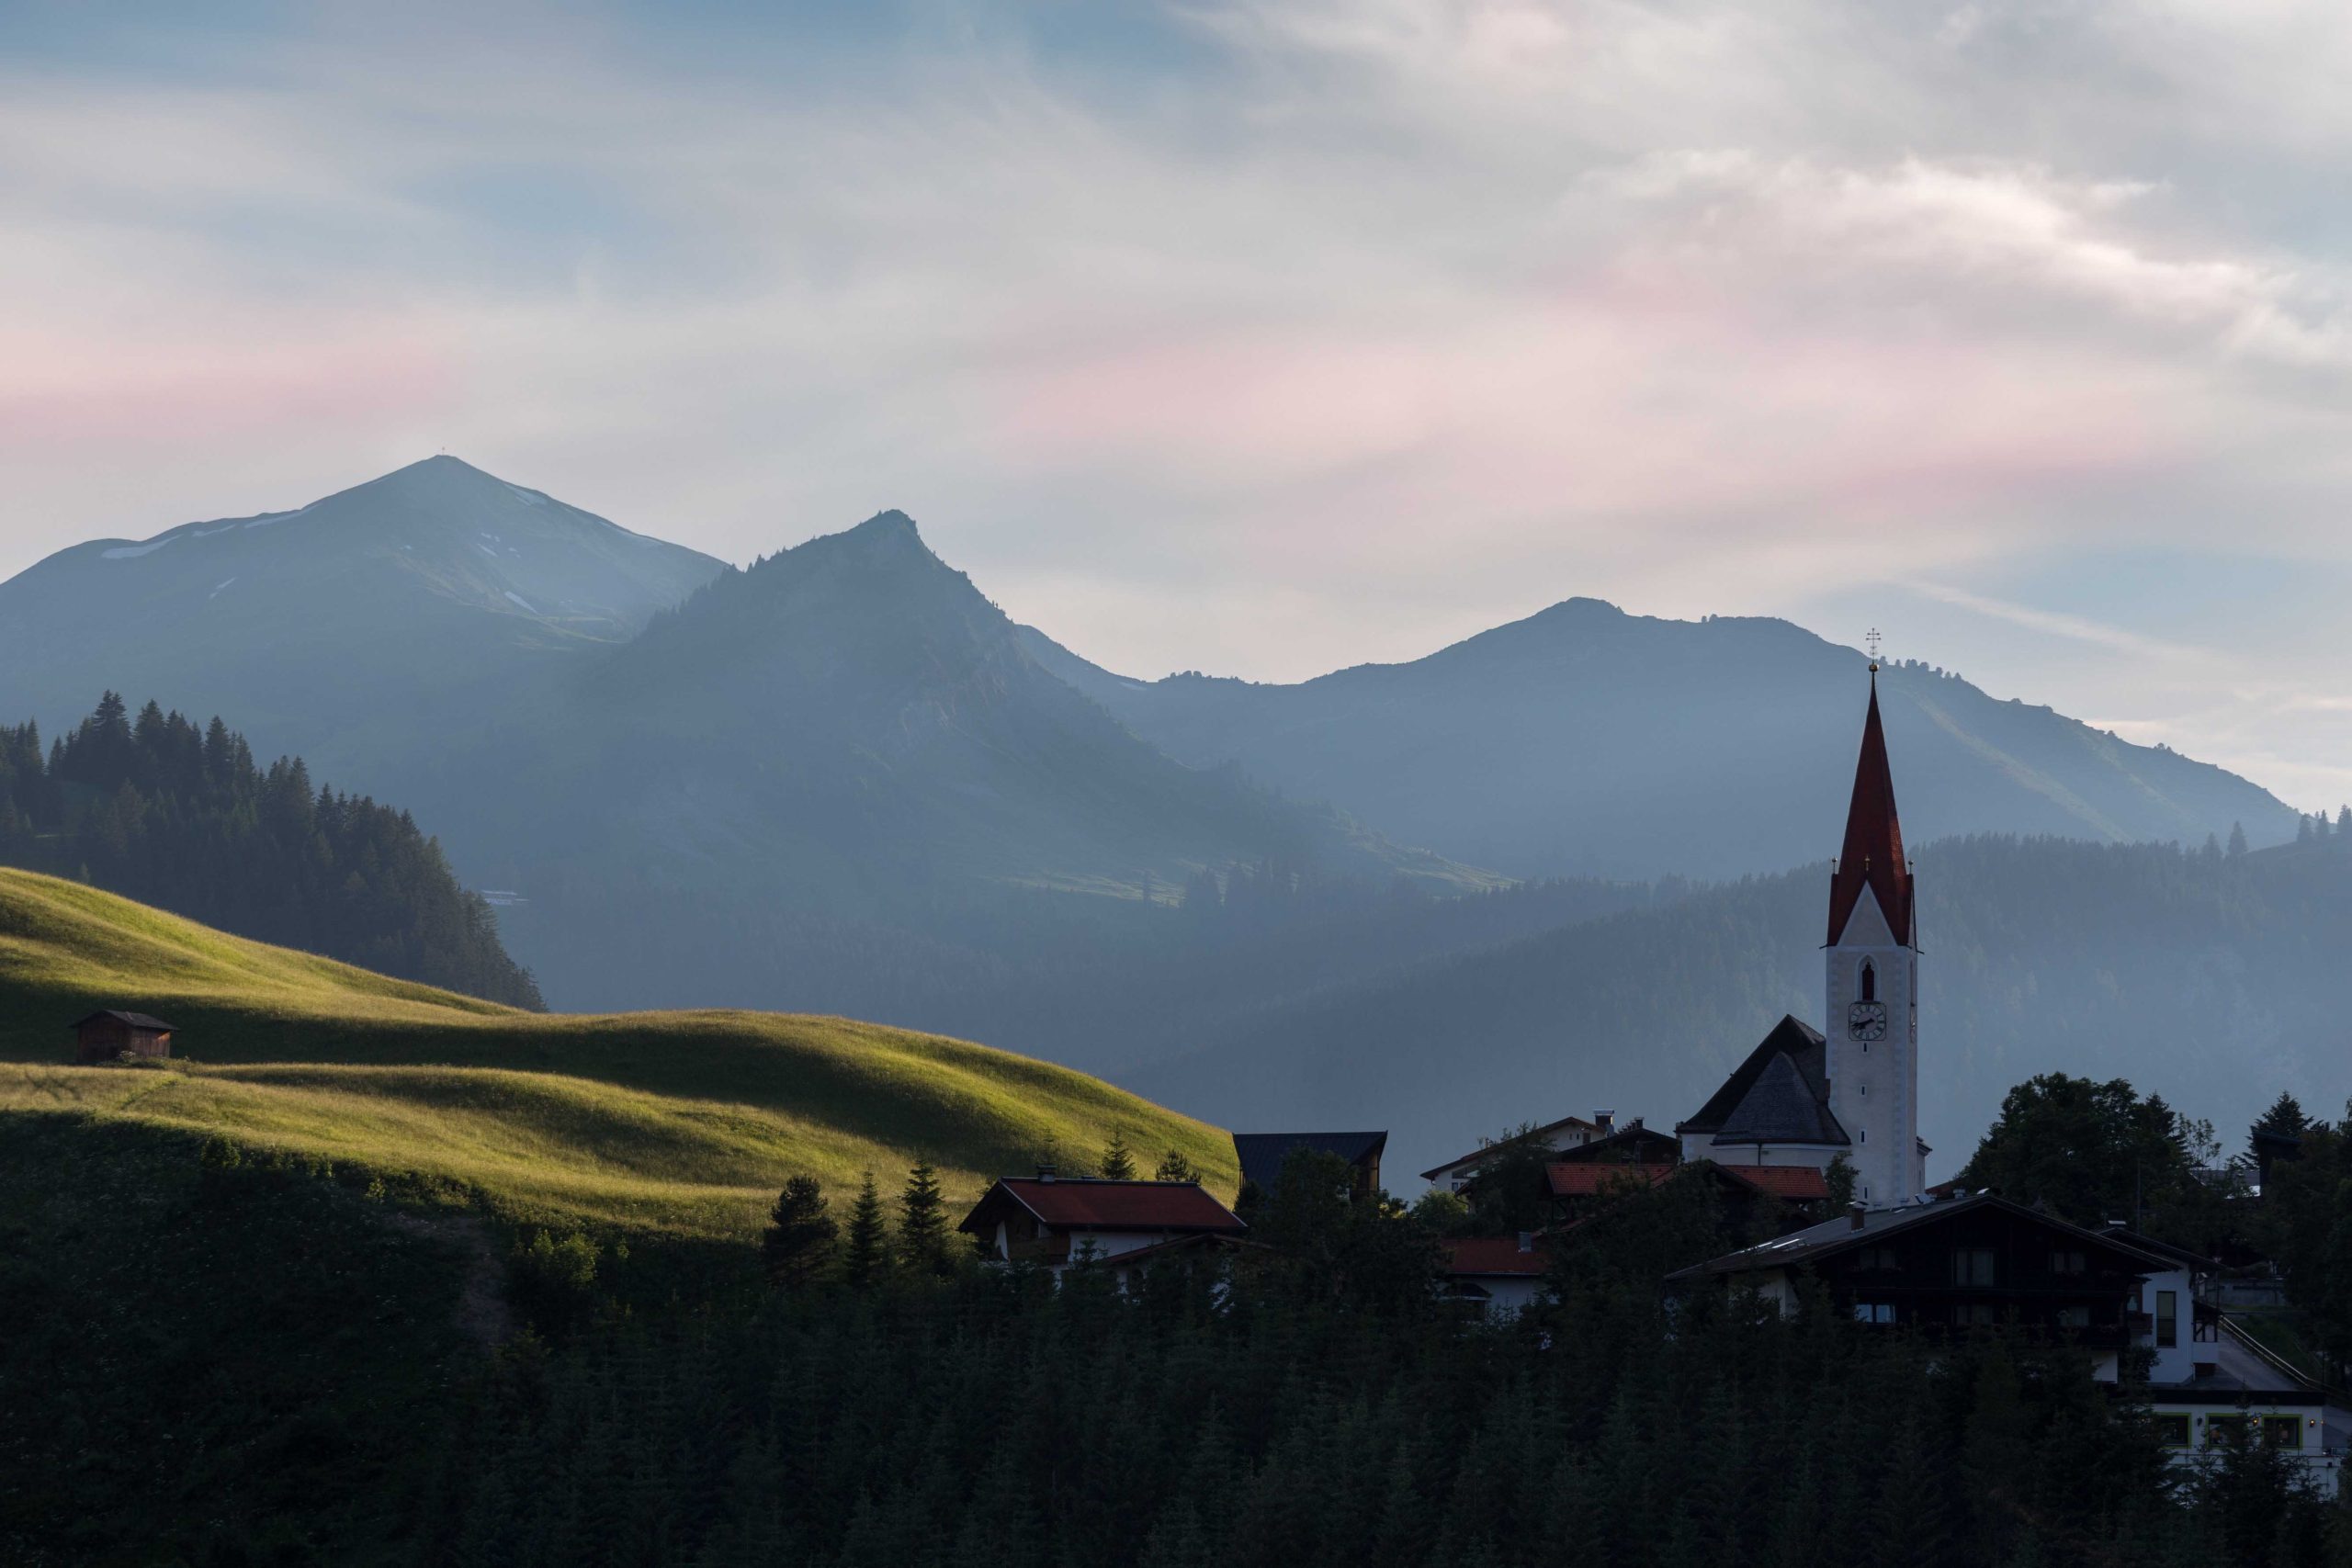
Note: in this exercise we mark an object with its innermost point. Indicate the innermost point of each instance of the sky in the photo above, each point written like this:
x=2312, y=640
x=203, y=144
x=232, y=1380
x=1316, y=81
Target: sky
x=1262, y=336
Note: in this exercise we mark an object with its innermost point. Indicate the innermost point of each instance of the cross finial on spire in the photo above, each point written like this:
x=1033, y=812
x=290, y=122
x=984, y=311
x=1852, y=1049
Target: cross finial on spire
x=1872, y=638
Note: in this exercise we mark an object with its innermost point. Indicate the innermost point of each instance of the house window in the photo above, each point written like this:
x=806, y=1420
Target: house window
x=2068, y=1263
x=2073, y=1318
x=1972, y=1266
x=2283, y=1431
x=1861, y=1134
x=1975, y=1314
x=2224, y=1429
x=1869, y=981
x=2167, y=1319
x=1879, y=1260
x=1873, y=1312
x=2172, y=1429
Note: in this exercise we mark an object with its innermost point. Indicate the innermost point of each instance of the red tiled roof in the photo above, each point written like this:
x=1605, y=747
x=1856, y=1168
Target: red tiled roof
x=1492, y=1254
x=1797, y=1184
x=1872, y=856
x=1074, y=1204
x=1582, y=1181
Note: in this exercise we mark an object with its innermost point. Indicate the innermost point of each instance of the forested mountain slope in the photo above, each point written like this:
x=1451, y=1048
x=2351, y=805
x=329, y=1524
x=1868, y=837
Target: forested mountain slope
x=161, y=811
x=834, y=776
x=2216, y=981
x=683, y=1121
x=1585, y=742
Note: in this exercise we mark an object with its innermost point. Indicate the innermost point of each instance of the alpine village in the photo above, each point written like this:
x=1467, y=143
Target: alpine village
x=266, y=1312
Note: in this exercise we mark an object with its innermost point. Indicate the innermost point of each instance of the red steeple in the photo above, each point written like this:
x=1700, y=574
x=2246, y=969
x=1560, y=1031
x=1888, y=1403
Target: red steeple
x=1872, y=856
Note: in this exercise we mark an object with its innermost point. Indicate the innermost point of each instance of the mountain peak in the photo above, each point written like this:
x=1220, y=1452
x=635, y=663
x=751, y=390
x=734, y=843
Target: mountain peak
x=885, y=539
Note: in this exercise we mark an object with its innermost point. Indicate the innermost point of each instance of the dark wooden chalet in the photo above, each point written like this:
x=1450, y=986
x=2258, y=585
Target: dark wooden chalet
x=109, y=1035
x=1979, y=1259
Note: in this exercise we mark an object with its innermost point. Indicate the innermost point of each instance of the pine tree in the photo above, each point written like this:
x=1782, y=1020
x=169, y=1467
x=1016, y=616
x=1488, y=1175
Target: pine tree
x=2237, y=840
x=1118, y=1163
x=866, y=1252
x=922, y=1223
x=800, y=1237
x=1174, y=1166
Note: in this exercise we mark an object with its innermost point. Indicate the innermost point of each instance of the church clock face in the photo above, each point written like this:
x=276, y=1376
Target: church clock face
x=1866, y=1021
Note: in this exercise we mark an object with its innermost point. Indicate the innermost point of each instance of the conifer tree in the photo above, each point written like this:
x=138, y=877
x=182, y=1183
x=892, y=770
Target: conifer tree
x=922, y=1223
x=800, y=1240
x=1174, y=1166
x=866, y=1250
x=2237, y=840
x=1118, y=1162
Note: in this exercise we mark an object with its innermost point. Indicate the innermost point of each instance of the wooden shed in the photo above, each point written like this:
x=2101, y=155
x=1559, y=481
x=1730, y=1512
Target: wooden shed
x=108, y=1035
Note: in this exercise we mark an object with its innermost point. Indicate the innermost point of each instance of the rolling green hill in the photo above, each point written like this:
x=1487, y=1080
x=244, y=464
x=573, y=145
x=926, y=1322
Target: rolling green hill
x=686, y=1122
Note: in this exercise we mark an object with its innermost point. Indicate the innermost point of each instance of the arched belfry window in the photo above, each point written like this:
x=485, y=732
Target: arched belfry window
x=1869, y=983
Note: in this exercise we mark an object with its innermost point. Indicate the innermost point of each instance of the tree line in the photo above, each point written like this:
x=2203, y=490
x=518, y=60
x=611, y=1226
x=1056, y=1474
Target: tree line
x=157, y=809
x=1314, y=1403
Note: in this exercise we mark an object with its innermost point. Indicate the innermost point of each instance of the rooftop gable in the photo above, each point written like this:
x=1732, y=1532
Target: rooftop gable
x=1079, y=1203
x=133, y=1019
x=1801, y=1043
x=1817, y=1244
x=1475, y=1155
x=1780, y=1106
x=1262, y=1154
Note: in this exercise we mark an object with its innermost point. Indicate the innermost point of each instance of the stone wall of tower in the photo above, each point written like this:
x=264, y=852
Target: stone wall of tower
x=1874, y=1084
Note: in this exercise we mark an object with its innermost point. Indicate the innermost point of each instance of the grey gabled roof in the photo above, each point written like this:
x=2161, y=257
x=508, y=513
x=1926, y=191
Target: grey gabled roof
x=135, y=1019
x=1833, y=1237
x=1780, y=1106
x=1801, y=1043
x=1262, y=1154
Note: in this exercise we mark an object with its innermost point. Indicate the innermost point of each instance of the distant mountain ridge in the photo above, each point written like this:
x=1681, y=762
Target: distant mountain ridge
x=421, y=597
x=1583, y=741
x=841, y=780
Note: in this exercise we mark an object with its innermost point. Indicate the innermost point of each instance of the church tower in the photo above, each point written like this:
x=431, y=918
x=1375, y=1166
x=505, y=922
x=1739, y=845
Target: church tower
x=1872, y=1019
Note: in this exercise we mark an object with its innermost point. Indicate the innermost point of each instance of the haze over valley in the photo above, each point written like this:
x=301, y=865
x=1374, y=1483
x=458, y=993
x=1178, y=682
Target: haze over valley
x=843, y=781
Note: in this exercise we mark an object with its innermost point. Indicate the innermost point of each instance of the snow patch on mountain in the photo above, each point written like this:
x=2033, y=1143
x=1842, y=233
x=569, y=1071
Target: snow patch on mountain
x=520, y=600
x=128, y=552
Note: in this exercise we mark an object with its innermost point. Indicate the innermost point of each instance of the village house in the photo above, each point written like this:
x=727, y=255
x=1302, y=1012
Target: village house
x=1262, y=1155
x=1979, y=1260
x=1496, y=1278
x=1568, y=1133
x=1056, y=1222
x=1633, y=1143
x=2209, y=1377
x=109, y=1035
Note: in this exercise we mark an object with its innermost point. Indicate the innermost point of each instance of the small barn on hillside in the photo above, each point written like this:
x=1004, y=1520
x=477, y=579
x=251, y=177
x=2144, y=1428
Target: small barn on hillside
x=108, y=1035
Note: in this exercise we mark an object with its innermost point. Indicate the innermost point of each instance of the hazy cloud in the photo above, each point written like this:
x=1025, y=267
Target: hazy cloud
x=1265, y=337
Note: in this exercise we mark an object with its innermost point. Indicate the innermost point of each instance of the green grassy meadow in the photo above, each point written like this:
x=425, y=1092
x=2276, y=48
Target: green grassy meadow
x=680, y=1122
